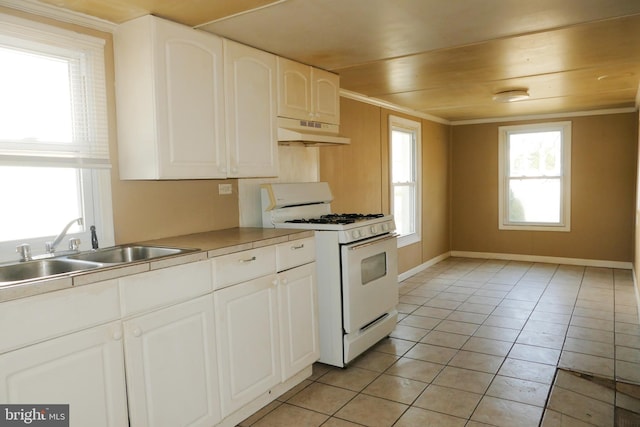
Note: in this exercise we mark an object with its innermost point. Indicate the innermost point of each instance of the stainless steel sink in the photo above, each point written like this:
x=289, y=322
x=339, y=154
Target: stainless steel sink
x=129, y=253
x=43, y=268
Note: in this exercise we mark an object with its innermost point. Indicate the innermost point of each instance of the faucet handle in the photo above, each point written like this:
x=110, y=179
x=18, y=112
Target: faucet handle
x=25, y=251
x=74, y=244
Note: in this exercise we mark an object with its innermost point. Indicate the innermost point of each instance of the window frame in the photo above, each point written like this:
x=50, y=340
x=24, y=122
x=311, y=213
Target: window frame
x=89, y=156
x=564, y=225
x=415, y=127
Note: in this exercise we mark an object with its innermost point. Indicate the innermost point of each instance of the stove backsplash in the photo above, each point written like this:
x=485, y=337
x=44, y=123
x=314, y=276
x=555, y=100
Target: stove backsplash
x=297, y=164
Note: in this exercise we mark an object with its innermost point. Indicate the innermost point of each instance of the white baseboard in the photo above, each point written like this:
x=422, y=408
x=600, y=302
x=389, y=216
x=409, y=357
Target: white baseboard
x=635, y=288
x=423, y=266
x=546, y=259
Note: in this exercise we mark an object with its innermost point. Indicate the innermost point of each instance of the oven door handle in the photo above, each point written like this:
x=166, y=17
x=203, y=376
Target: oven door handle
x=373, y=241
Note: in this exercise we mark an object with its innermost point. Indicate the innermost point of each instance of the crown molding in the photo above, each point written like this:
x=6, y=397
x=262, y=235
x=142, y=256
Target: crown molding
x=59, y=14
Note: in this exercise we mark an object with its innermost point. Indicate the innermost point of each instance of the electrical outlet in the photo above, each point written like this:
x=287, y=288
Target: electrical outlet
x=224, y=189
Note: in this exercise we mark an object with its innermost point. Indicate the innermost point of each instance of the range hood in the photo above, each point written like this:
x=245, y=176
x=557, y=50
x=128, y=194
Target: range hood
x=309, y=133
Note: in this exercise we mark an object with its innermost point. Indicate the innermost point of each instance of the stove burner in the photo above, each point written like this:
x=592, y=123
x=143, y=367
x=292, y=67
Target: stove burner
x=336, y=219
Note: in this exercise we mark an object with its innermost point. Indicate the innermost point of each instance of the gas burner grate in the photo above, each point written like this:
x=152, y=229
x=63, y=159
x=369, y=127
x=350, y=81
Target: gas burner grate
x=336, y=219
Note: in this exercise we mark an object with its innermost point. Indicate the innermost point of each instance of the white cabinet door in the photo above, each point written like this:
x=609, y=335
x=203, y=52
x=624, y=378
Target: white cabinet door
x=170, y=101
x=308, y=93
x=84, y=369
x=171, y=366
x=248, y=341
x=325, y=93
x=298, y=304
x=251, y=116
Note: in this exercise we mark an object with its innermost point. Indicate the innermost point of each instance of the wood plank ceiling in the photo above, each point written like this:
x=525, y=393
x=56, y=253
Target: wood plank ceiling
x=446, y=58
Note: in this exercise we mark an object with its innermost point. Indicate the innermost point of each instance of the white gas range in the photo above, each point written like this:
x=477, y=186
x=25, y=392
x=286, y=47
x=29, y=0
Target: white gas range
x=356, y=265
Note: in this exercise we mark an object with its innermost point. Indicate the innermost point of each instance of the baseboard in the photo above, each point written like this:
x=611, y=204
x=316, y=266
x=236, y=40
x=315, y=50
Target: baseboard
x=415, y=270
x=635, y=288
x=545, y=259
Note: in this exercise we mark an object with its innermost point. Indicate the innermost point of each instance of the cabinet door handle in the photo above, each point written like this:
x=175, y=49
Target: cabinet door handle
x=274, y=282
x=137, y=332
x=293, y=248
x=117, y=334
x=253, y=258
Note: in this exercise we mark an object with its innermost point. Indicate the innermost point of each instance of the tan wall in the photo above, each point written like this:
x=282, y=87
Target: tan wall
x=603, y=163
x=359, y=175
x=145, y=210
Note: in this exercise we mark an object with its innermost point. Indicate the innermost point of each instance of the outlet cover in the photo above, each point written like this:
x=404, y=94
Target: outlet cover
x=224, y=189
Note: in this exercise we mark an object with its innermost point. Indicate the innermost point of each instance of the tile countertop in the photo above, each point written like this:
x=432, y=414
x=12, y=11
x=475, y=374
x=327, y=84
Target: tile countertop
x=210, y=244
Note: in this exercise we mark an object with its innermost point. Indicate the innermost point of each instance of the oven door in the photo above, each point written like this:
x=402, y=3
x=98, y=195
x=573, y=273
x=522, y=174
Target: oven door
x=369, y=281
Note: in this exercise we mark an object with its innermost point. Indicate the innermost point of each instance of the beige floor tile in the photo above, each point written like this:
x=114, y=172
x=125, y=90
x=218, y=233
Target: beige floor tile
x=545, y=327
x=351, y=378
x=628, y=354
x=596, y=314
x=259, y=414
x=590, y=334
x=523, y=391
x=562, y=319
x=319, y=369
x=464, y=379
x=453, y=297
x=541, y=339
x=479, y=308
x=371, y=411
x=439, y=302
x=526, y=370
x=393, y=346
x=554, y=308
x=420, y=417
x=491, y=293
x=506, y=413
x=553, y=418
x=295, y=390
x=531, y=353
x=581, y=407
x=445, y=339
x=628, y=371
x=589, y=322
x=337, y=422
x=505, y=322
x=487, y=346
x=375, y=361
x=406, y=308
x=420, y=321
x=412, y=299
x=514, y=313
x=395, y=388
x=431, y=353
x=448, y=401
x=461, y=316
x=600, y=366
x=517, y=303
x=462, y=328
x=627, y=328
x=477, y=361
x=575, y=382
x=627, y=340
x=322, y=398
x=415, y=369
x=593, y=348
x=436, y=313
x=409, y=333
x=496, y=333
x=289, y=415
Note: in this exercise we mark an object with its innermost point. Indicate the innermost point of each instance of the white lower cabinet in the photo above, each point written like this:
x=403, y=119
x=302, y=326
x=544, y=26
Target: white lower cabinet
x=84, y=369
x=248, y=341
x=171, y=366
x=298, y=309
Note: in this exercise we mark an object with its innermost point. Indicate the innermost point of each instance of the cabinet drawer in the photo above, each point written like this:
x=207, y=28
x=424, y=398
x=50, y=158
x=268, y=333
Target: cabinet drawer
x=295, y=253
x=29, y=320
x=242, y=266
x=158, y=288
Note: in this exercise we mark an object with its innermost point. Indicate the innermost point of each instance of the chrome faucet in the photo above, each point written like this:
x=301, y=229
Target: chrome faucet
x=50, y=247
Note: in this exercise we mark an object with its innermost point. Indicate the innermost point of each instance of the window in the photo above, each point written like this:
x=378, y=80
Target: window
x=405, y=178
x=535, y=177
x=54, y=160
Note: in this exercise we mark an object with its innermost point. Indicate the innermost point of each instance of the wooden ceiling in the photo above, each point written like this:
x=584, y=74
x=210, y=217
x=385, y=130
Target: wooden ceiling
x=445, y=58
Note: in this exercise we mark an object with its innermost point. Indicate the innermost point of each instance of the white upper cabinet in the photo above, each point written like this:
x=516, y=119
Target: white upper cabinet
x=170, y=101
x=308, y=93
x=250, y=107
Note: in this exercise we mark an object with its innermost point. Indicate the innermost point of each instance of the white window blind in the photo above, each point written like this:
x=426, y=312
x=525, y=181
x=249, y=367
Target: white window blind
x=42, y=70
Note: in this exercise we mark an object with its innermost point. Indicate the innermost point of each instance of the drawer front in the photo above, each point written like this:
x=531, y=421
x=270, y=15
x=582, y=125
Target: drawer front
x=242, y=266
x=158, y=288
x=29, y=320
x=295, y=253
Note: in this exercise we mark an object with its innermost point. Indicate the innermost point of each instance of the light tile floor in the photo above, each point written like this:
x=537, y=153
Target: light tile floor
x=478, y=343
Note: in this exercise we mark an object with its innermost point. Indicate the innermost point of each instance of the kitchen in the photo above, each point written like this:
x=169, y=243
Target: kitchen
x=454, y=221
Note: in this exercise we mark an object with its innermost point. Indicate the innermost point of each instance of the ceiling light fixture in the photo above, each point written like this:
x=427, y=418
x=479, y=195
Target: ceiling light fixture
x=511, y=95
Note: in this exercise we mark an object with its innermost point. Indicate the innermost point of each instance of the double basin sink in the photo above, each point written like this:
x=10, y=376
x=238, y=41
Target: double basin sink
x=82, y=261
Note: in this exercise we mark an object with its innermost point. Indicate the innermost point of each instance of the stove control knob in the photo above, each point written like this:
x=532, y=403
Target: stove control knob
x=385, y=227
x=354, y=234
x=374, y=229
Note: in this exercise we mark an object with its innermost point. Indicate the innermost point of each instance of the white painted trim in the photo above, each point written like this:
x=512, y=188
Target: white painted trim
x=545, y=259
x=60, y=14
x=415, y=270
x=244, y=12
x=380, y=103
x=635, y=287
x=545, y=116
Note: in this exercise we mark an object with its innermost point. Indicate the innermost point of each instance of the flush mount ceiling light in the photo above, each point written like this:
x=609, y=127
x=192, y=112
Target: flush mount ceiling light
x=511, y=95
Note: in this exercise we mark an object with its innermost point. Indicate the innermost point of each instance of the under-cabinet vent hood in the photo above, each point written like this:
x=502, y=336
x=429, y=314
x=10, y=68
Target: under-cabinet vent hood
x=309, y=133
